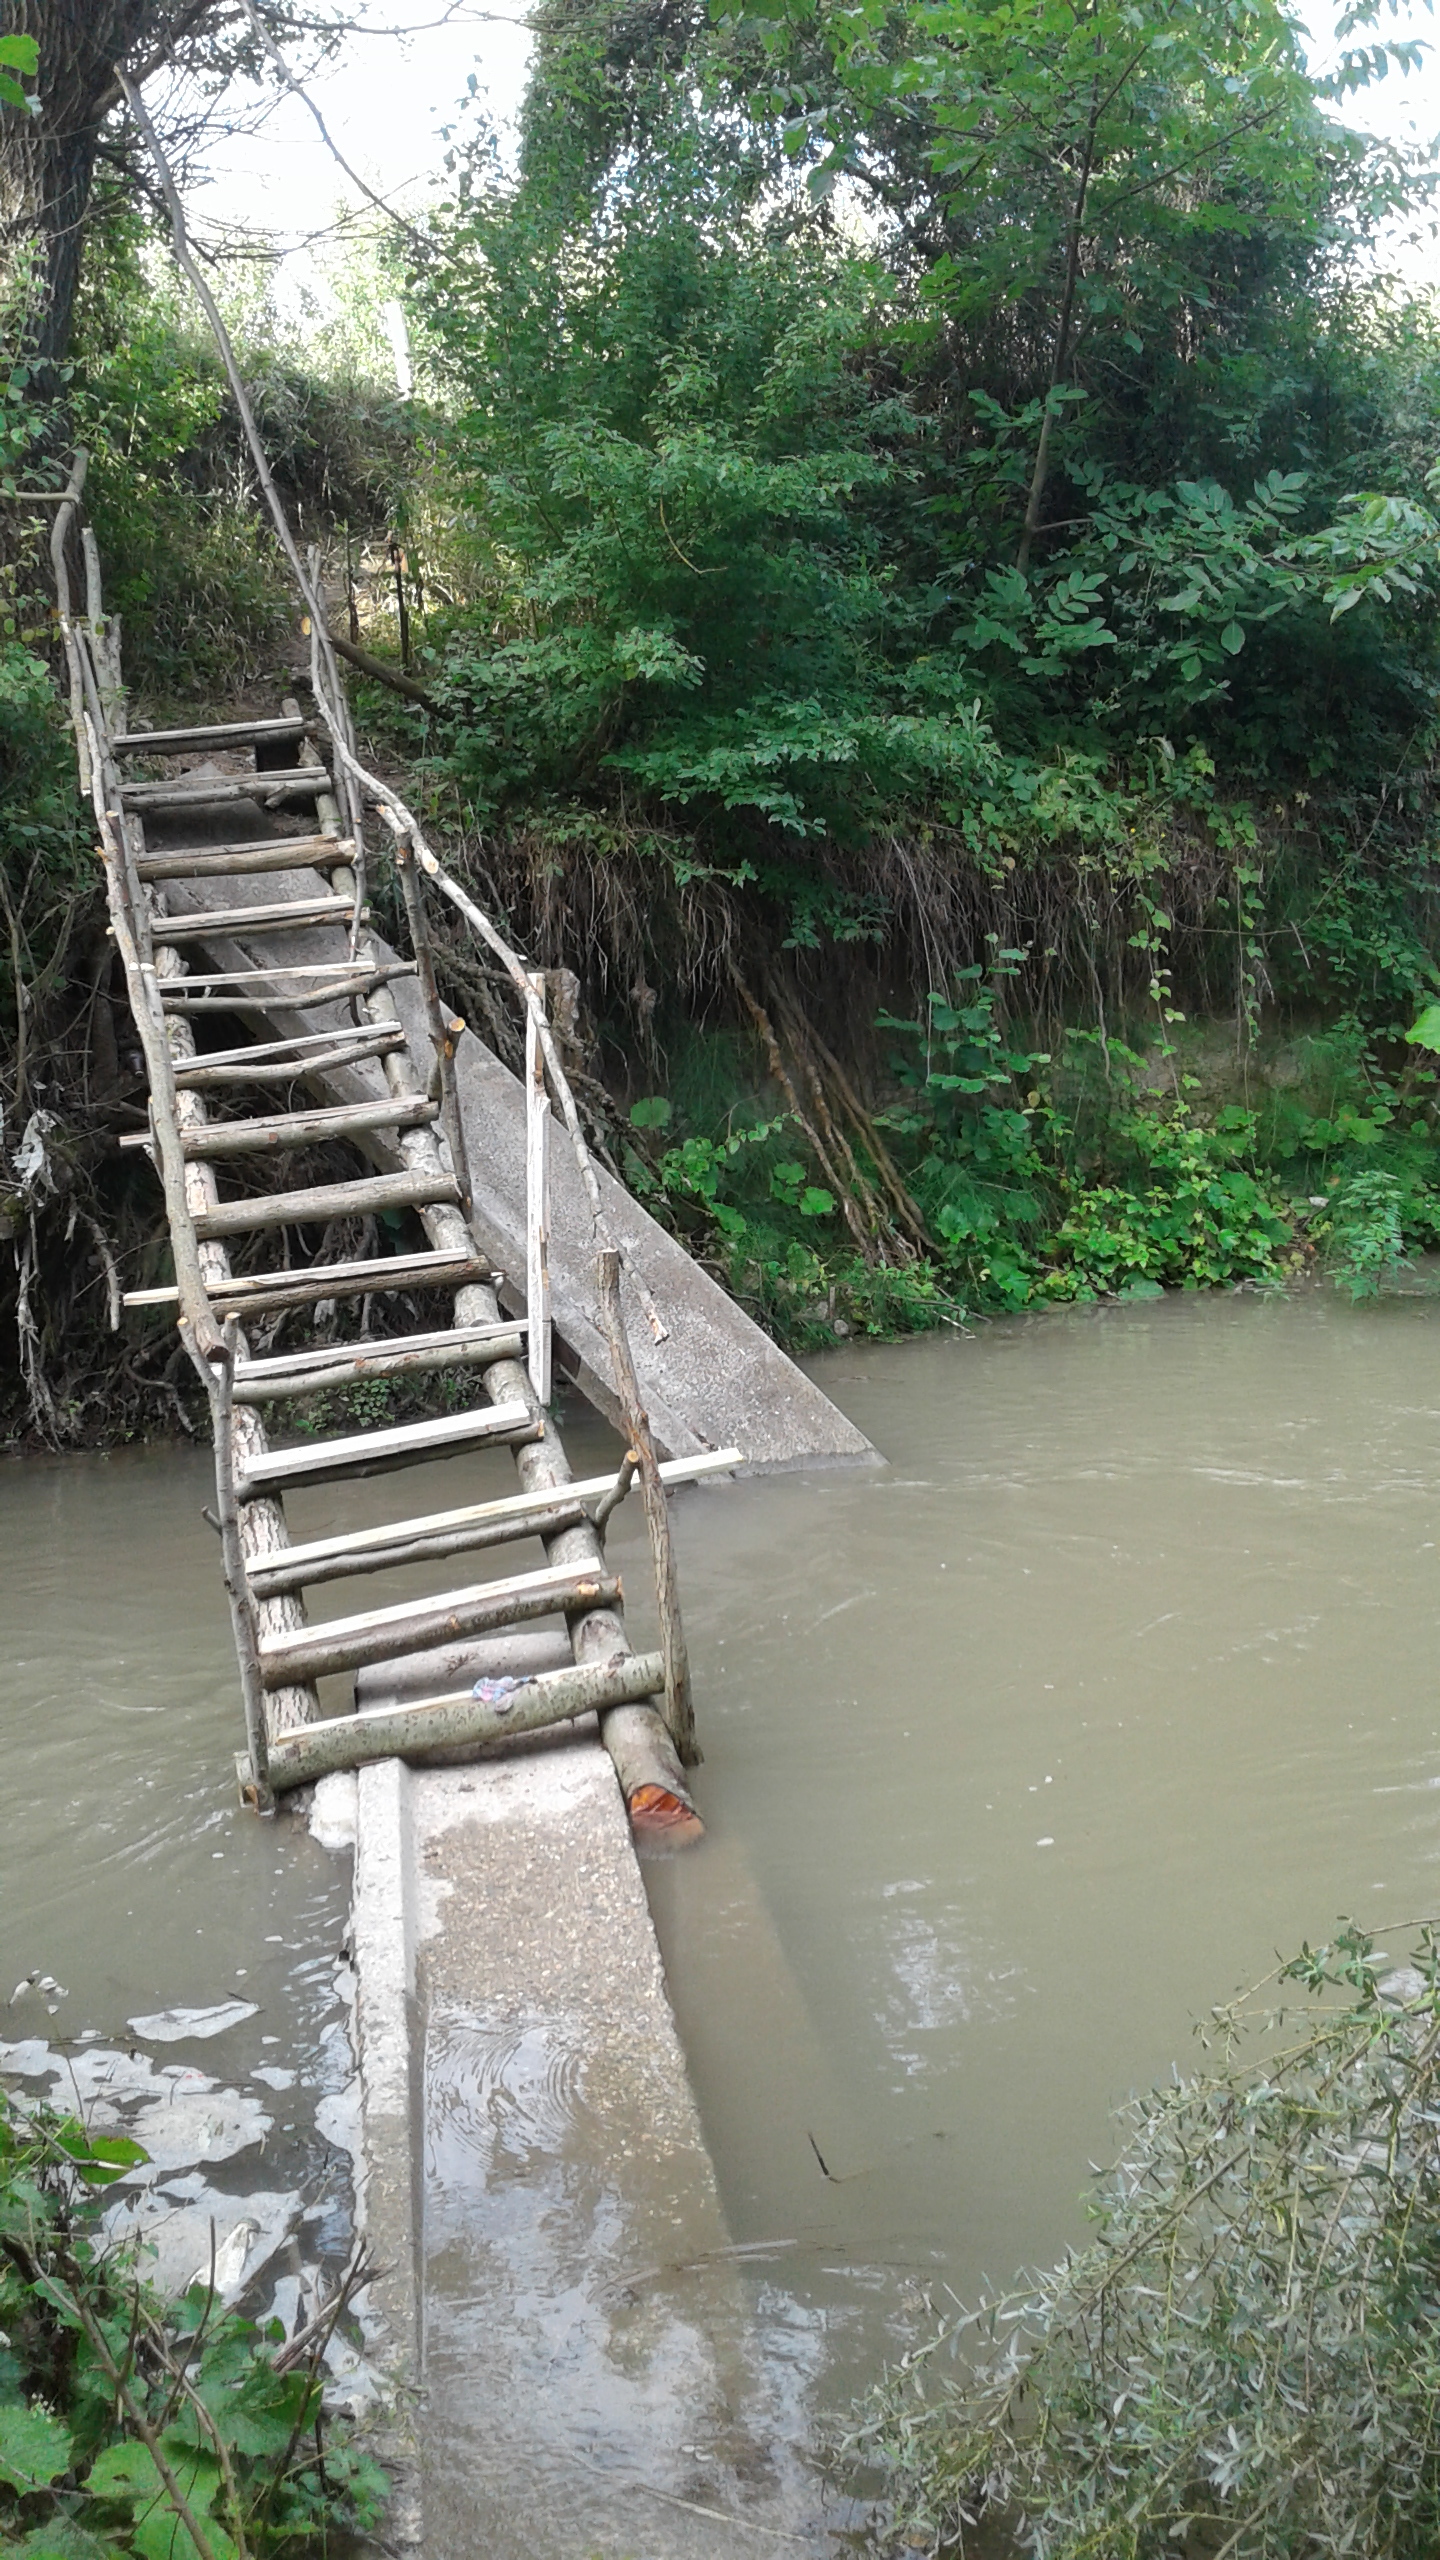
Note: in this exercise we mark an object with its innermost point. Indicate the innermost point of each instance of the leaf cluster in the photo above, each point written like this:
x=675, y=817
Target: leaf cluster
x=164, y=2431
x=734, y=487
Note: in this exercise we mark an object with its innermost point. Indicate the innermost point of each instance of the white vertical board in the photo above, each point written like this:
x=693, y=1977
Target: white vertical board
x=537, y=1202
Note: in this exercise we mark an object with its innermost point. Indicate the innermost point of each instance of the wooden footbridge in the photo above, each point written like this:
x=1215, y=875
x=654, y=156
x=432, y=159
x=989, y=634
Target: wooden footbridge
x=243, y=846
x=259, y=809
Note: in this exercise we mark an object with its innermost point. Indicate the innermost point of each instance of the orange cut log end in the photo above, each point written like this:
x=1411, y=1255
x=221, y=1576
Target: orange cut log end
x=656, y=1813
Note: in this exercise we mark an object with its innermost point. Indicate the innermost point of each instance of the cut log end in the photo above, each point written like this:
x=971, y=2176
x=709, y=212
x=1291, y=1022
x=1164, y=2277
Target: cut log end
x=657, y=1815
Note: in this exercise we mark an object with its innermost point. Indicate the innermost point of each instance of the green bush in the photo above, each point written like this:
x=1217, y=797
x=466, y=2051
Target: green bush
x=189, y=560
x=163, y=2431
x=1246, y=2358
x=1194, y=1215
x=1367, y=1231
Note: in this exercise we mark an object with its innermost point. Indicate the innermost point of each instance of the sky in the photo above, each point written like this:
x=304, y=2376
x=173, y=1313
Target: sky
x=385, y=105
x=387, y=101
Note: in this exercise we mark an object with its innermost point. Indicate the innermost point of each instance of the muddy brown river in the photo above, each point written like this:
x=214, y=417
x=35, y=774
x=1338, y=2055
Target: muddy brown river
x=1020, y=1752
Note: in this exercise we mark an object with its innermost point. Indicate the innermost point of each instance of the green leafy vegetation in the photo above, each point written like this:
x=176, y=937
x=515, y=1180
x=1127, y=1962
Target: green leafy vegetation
x=918, y=533
x=1037, y=1180
x=19, y=59
x=189, y=564
x=1017, y=594
x=164, y=2431
x=1243, y=2358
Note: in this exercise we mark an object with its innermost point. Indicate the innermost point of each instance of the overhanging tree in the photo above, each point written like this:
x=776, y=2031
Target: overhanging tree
x=49, y=154
x=1079, y=173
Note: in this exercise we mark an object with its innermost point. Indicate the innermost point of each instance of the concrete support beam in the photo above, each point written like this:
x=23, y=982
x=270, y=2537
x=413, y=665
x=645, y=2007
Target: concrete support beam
x=537, y=2183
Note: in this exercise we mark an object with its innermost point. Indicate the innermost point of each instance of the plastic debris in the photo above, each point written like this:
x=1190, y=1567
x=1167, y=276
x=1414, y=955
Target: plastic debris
x=497, y=1693
x=230, y=2256
x=177, y=2026
x=44, y=1986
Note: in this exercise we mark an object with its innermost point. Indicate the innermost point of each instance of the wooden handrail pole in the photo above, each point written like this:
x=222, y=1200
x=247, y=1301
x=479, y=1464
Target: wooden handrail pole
x=679, y=1705
x=442, y=1028
x=537, y=1196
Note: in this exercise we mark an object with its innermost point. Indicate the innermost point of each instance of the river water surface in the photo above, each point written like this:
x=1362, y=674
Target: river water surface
x=1021, y=1751
x=1024, y=1752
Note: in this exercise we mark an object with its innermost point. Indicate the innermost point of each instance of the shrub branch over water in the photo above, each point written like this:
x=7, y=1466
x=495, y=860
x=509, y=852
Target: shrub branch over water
x=1246, y=2360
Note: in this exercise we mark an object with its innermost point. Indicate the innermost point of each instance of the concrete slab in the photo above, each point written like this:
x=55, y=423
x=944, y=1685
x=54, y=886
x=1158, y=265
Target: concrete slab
x=717, y=1381
x=387, y=2169
x=590, y=2388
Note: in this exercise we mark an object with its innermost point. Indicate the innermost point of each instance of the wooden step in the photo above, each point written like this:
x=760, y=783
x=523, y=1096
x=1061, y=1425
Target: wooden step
x=448, y=1533
x=219, y=861
x=378, y=1635
x=349, y=1364
x=372, y=1453
x=309, y=1751
x=201, y=923
x=336, y=1355
x=202, y=981
x=343, y=1052
x=338, y=983
x=269, y=790
x=325, y=1200
x=261, y=1293
x=219, y=1138
x=277, y=1061
x=229, y=733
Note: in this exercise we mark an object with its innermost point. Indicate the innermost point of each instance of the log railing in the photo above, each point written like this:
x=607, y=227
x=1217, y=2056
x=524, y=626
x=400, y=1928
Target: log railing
x=210, y=1334
x=95, y=691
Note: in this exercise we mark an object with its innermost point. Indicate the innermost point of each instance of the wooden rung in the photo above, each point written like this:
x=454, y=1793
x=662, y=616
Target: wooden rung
x=326, y=1200
x=228, y=733
x=215, y=1139
x=198, y=925
x=261, y=1292
x=335, y=1355
x=448, y=1533
x=219, y=1138
x=338, y=987
x=292, y=782
x=203, y=980
x=349, y=1364
x=309, y=1751
x=376, y=1452
x=277, y=853
x=302, y=1052
x=202, y=1077
x=379, y=1635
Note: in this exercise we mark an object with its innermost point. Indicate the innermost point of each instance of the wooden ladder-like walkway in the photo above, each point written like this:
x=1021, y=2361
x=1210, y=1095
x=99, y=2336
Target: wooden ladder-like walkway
x=218, y=1110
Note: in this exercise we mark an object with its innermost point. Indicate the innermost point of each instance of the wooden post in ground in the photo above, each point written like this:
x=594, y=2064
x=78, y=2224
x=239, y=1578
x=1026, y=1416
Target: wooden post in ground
x=679, y=1706
x=218, y=1373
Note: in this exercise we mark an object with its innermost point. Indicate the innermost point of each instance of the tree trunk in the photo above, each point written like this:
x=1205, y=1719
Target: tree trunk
x=1073, y=240
x=47, y=160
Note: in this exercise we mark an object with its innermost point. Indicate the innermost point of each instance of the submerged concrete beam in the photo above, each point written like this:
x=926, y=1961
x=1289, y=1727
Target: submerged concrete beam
x=560, y=2279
